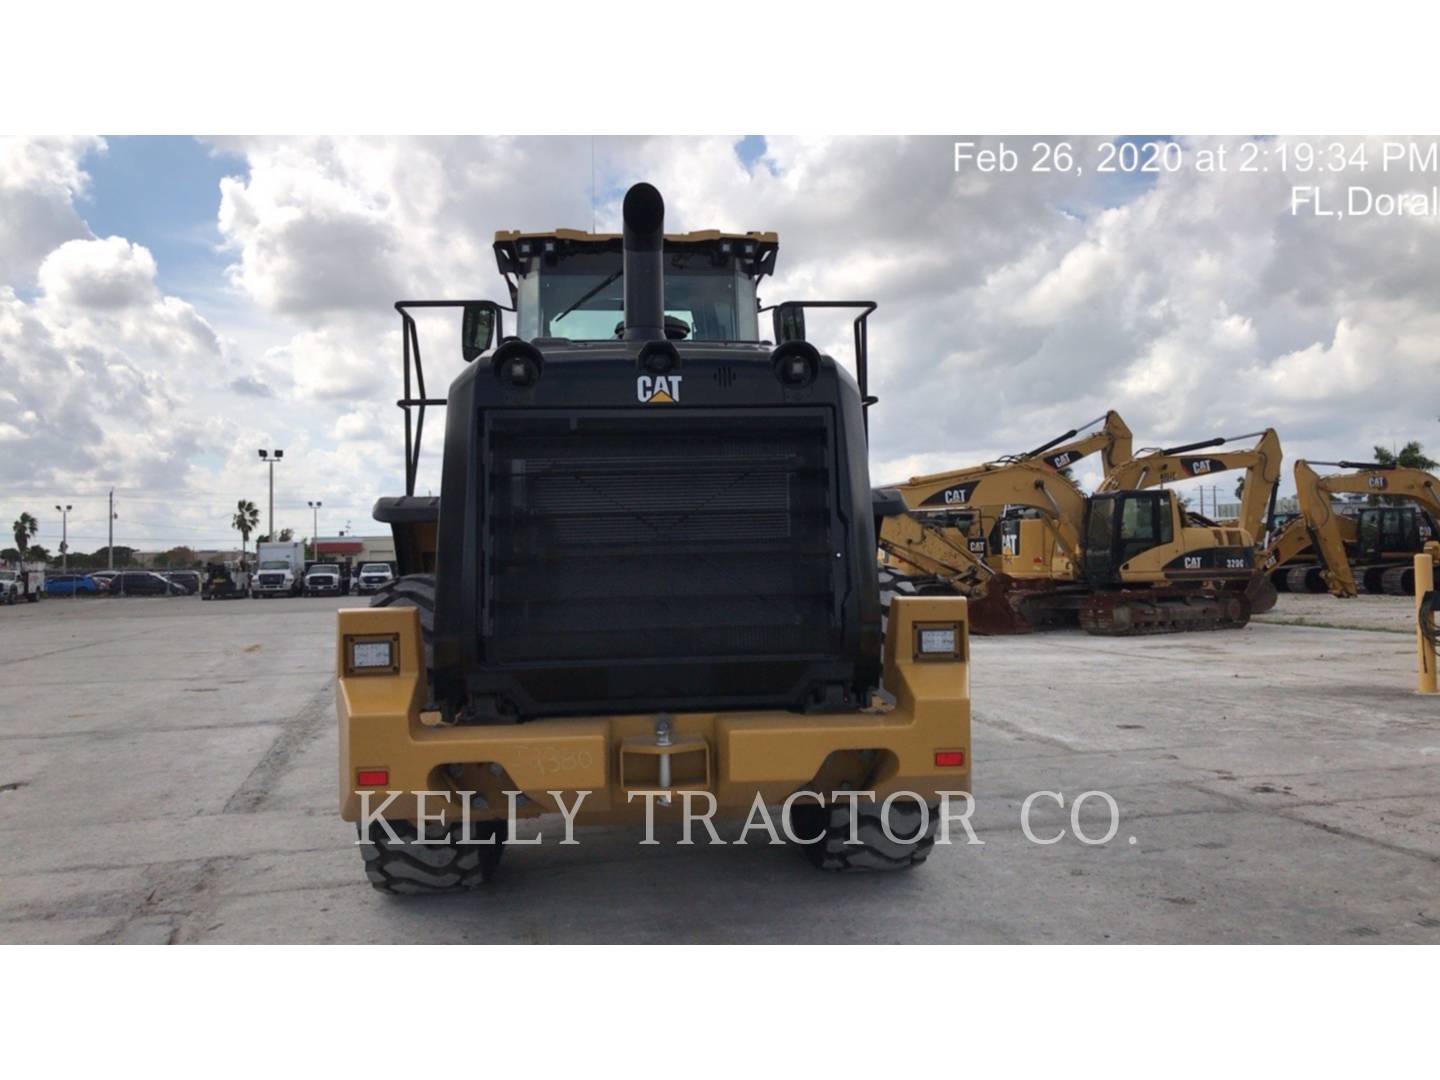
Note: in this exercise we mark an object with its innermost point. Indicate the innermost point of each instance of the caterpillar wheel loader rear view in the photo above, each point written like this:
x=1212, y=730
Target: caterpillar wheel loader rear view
x=649, y=577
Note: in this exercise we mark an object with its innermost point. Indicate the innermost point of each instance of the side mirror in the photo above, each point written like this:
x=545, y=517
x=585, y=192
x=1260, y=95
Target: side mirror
x=789, y=323
x=477, y=330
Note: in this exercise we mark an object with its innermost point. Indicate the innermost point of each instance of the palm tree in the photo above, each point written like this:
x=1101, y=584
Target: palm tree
x=1410, y=456
x=245, y=521
x=25, y=529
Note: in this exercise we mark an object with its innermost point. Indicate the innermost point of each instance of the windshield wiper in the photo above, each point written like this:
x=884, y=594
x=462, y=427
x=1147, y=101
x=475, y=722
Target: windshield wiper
x=587, y=296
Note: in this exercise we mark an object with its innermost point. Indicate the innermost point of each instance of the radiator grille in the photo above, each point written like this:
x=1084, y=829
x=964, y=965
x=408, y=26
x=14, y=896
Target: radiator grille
x=658, y=536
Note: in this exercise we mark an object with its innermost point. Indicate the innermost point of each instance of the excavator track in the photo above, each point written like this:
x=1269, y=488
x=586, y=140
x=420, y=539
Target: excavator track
x=1125, y=613
x=1398, y=581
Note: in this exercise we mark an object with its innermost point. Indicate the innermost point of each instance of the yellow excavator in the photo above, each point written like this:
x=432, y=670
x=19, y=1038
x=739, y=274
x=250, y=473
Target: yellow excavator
x=1261, y=464
x=987, y=532
x=1373, y=547
x=1118, y=562
x=961, y=548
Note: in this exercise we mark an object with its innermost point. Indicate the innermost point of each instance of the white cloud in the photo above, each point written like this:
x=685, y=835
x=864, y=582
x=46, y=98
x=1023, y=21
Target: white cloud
x=1011, y=306
x=39, y=180
x=99, y=274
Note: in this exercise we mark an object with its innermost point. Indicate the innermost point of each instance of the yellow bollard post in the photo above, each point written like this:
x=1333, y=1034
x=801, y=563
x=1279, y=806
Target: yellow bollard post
x=1424, y=639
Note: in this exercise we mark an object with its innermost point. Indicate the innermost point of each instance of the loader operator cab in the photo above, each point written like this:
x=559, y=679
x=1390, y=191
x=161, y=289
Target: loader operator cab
x=569, y=285
x=1122, y=525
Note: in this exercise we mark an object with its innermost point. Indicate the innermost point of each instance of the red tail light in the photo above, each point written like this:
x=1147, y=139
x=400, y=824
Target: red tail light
x=372, y=777
x=949, y=758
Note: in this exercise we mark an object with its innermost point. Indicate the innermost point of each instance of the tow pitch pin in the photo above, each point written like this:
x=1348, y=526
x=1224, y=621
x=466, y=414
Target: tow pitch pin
x=663, y=728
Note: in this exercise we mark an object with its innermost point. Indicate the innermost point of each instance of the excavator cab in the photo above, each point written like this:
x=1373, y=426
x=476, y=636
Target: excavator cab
x=1391, y=531
x=1119, y=527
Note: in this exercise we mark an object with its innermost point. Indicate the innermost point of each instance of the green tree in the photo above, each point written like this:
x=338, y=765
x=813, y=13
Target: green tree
x=8, y=555
x=1411, y=456
x=124, y=556
x=180, y=558
x=286, y=535
x=246, y=518
x=25, y=528
x=37, y=553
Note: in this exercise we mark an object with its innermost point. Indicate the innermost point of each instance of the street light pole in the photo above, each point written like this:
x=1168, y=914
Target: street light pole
x=314, y=525
x=271, y=457
x=64, y=536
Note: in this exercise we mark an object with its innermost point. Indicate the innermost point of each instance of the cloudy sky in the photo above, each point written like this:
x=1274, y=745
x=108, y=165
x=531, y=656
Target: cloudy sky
x=169, y=305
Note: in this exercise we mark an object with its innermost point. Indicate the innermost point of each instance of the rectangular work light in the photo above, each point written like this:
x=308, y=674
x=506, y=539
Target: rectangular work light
x=937, y=641
x=372, y=654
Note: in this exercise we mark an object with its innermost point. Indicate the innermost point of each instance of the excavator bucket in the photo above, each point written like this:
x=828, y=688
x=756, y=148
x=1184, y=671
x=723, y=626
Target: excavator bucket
x=999, y=609
x=1261, y=594
x=1013, y=606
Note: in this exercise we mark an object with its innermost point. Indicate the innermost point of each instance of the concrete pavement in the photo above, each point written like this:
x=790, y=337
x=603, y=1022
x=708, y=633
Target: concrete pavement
x=167, y=773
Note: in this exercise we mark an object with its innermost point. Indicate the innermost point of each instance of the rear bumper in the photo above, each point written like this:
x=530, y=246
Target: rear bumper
x=731, y=756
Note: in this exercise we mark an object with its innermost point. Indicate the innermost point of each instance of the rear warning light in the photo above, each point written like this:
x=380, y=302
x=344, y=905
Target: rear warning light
x=380, y=777
x=949, y=758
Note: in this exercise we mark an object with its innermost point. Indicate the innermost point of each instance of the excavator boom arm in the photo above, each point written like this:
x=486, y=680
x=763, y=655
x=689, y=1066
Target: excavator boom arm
x=1262, y=474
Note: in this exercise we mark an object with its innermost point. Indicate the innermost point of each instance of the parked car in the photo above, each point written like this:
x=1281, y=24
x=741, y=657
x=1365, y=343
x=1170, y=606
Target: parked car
x=374, y=576
x=71, y=585
x=143, y=583
x=189, y=580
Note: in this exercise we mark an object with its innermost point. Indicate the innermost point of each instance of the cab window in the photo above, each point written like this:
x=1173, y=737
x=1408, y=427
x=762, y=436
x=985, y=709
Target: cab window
x=1144, y=523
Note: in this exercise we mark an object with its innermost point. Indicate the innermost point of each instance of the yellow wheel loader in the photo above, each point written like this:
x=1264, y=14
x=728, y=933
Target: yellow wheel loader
x=648, y=583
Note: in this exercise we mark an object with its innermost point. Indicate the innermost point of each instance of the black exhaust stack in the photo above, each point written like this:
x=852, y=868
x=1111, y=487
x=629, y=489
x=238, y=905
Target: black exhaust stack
x=644, y=244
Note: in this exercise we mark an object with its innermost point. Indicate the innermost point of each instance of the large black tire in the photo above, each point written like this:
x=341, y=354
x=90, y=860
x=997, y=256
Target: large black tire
x=417, y=591
x=425, y=869
x=875, y=851
x=895, y=583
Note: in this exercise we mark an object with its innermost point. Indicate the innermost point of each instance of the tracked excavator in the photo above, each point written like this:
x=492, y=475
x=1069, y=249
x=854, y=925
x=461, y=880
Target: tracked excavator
x=1325, y=549
x=1261, y=464
x=1123, y=562
x=989, y=532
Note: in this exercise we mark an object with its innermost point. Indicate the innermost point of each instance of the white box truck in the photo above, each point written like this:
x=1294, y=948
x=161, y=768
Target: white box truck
x=279, y=568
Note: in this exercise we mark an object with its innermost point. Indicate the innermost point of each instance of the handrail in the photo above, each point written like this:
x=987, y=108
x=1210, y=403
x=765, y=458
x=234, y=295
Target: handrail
x=410, y=335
